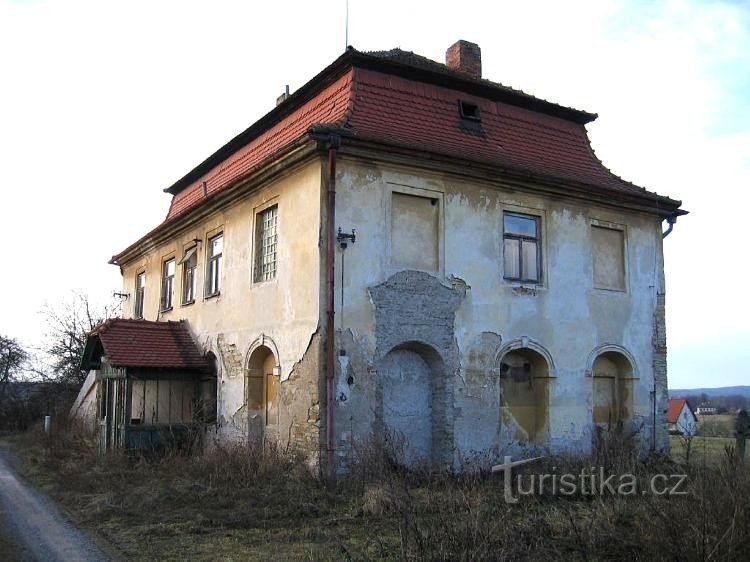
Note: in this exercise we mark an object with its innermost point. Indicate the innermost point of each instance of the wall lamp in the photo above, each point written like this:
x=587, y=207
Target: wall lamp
x=343, y=238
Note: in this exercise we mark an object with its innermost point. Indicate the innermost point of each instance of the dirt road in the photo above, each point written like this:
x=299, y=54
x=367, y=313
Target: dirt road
x=37, y=527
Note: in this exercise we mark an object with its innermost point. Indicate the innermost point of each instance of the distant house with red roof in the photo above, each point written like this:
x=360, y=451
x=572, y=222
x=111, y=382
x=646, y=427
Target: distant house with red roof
x=680, y=417
x=406, y=252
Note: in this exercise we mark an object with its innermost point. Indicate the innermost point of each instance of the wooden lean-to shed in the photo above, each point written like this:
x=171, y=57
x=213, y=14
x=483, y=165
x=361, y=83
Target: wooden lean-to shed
x=154, y=386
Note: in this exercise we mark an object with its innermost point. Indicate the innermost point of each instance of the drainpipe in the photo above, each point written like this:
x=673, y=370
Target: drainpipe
x=334, y=141
x=671, y=219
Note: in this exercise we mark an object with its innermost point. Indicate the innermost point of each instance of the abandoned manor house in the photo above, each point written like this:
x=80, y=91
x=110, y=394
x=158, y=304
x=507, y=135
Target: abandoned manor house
x=401, y=253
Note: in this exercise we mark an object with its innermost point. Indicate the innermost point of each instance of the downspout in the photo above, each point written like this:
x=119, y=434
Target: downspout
x=334, y=141
x=671, y=219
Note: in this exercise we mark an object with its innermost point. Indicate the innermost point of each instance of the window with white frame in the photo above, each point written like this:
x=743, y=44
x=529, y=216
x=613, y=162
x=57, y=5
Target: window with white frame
x=266, y=238
x=167, y=284
x=521, y=248
x=213, y=265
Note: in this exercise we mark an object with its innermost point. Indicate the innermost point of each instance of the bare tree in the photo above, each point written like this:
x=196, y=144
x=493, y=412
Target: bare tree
x=13, y=358
x=68, y=325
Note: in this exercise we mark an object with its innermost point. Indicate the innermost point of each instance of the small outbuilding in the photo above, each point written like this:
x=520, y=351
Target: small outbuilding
x=680, y=417
x=149, y=384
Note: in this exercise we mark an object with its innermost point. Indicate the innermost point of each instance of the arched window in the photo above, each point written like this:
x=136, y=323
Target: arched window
x=524, y=378
x=263, y=385
x=613, y=389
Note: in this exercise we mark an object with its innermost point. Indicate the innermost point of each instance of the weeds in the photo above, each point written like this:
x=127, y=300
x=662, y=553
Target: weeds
x=238, y=502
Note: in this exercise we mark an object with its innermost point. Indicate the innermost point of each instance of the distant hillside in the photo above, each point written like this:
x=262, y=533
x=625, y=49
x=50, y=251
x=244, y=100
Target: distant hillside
x=711, y=392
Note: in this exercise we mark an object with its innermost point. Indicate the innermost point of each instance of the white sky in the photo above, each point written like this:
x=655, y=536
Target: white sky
x=103, y=104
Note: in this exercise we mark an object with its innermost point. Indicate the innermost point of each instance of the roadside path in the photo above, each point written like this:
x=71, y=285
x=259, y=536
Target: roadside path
x=36, y=525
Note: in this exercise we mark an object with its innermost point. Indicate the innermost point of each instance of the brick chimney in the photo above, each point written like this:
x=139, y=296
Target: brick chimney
x=465, y=57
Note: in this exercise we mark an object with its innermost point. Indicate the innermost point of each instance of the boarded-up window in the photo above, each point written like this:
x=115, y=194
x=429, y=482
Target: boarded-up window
x=263, y=385
x=609, y=258
x=613, y=382
x=415, y=234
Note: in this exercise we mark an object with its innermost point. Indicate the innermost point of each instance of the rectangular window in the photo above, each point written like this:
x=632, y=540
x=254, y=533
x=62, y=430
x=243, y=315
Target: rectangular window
x=609, y=258
x=140, y=293
x=189, y=275
x=266, y=238
x=213, y=266
x=167, y=284
x=521, y=249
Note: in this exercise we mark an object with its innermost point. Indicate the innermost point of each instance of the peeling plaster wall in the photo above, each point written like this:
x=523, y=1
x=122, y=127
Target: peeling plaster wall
x=282, y=314
x=565, y=317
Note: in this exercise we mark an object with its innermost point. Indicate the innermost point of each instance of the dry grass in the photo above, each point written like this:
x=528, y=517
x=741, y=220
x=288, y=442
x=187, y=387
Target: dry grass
x=238, y=504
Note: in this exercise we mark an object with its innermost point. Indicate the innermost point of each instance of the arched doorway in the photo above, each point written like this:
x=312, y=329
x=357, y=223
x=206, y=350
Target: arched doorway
x=612, y=374
x=262, y=395
x=524, y=383
x=412, y=377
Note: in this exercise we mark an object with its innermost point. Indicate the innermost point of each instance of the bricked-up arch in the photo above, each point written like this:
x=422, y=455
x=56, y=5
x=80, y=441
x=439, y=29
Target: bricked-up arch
x=524, y=382
x=612, y=388
x=413, y=408
x=415, y=312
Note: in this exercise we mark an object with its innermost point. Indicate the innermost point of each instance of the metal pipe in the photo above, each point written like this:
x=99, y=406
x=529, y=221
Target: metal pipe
x=333, y=145
x=670, y=221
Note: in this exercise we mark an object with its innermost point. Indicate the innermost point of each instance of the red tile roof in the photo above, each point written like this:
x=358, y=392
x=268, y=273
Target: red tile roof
x=396, y=110
x=674, y=409
x=400, y=99
x=146, y=344
x=328, y=107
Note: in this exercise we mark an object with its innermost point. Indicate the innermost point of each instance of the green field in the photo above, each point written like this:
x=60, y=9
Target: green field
x=709, y=449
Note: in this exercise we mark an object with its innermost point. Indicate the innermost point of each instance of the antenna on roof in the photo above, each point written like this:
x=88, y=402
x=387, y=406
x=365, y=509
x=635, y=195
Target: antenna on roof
x=346, y=32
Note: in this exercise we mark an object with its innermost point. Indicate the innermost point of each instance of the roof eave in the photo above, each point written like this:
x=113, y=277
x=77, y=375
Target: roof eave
x=353, y=58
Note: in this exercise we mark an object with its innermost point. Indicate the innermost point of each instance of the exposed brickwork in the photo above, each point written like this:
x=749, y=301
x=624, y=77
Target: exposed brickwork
x=660, y=373
x=416, y=313
x=300, y=425
x=465, y=57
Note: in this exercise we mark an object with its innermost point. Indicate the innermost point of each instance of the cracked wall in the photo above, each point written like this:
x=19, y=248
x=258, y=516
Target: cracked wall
x=565, y=319
x=284, y=312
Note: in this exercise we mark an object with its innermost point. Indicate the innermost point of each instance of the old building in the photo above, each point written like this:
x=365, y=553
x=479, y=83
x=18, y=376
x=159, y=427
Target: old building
x=442, y=256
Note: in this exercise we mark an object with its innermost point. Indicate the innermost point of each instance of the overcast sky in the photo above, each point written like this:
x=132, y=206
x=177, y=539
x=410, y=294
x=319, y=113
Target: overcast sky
x=104, y=104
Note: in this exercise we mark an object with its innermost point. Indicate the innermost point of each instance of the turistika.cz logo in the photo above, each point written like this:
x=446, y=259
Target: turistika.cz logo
x=590, y=481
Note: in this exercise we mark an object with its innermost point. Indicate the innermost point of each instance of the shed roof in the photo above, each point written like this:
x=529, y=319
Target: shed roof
x=145, y=344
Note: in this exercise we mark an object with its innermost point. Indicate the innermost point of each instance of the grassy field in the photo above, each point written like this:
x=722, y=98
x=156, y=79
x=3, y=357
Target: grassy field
x=711, y=450
x=236, y=504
